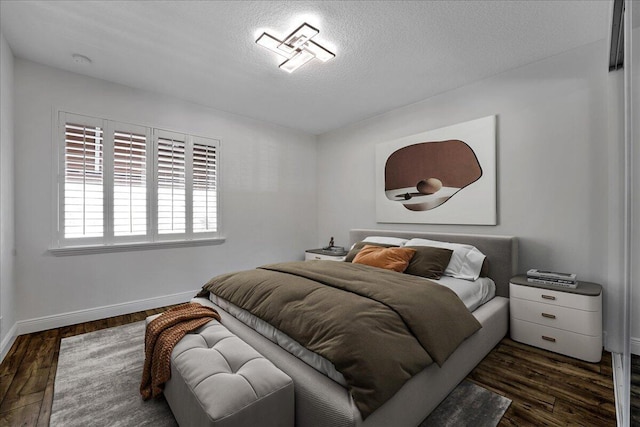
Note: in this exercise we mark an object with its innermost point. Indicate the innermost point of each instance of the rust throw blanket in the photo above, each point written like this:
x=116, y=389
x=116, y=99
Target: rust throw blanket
x=162, y=334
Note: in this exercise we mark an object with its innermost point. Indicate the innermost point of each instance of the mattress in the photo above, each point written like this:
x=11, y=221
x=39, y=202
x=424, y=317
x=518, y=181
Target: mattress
x=472, y=293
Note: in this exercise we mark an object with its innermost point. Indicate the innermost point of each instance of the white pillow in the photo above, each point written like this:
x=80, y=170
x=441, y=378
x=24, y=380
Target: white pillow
x=386, y=240
x=466, y=260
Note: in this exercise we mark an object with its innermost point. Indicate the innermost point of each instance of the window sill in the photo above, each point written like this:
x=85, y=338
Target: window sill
x=141, y=246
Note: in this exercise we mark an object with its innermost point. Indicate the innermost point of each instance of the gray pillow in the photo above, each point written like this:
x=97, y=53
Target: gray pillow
x=428, y=261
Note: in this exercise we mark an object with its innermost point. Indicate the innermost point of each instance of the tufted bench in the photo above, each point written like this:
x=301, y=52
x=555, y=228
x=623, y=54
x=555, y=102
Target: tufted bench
x=218, y=380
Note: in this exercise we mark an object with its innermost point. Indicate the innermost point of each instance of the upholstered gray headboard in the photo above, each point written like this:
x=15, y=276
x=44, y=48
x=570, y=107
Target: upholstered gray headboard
x=502, y=251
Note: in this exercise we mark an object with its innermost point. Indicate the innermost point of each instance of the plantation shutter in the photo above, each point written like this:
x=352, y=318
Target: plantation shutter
x=83, y=179
x=129, y=182
x=205, y=194
x=171, y=184
x=121, y=185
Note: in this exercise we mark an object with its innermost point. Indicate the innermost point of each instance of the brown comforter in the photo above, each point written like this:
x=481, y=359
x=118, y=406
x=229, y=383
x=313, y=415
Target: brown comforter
x=378, y=327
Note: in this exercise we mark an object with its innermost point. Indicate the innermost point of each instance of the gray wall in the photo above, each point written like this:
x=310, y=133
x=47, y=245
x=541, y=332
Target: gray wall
x=635, y=260
x=7, y=279
x=556, y=166
x=268, y=203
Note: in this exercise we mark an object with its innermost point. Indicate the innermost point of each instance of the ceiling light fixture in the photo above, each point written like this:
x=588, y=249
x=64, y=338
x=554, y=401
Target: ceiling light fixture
x=297, y=47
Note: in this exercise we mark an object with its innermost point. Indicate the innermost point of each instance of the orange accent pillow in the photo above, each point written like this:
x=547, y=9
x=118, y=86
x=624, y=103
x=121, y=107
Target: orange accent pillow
x=396, y=259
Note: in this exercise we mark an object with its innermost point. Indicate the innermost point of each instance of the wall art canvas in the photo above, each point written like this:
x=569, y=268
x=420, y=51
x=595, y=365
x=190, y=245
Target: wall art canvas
x=442, y=176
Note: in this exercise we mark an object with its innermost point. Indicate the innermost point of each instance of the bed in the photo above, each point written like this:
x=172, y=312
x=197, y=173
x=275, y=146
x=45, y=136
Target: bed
x=321, y=399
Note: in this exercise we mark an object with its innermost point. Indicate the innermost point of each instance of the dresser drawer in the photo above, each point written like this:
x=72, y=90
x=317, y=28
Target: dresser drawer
x=580, y=346
x=311, y=256
x=555, y=316
x=564, y=299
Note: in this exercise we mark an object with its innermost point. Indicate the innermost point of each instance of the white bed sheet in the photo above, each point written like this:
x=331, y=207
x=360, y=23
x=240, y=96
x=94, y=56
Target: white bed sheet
x=472, y=293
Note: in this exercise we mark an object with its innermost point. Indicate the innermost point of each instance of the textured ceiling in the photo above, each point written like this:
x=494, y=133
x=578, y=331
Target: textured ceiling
x=388, y=54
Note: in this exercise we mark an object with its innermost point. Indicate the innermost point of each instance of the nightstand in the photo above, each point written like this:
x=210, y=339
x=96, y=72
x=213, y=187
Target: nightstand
x=324, y=254
x=563, y=320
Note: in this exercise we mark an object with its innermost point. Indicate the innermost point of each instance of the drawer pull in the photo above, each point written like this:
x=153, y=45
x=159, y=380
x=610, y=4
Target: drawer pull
x=548, y=297
x=549, y=316
x=548, y=338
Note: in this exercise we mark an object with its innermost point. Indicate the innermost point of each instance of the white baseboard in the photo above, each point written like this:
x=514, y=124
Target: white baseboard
x=635, y=346
x=8, y=341
x=97, y=313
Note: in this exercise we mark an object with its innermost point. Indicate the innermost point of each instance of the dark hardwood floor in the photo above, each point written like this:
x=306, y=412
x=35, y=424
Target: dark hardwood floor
x=28, y=371
x=546, y=388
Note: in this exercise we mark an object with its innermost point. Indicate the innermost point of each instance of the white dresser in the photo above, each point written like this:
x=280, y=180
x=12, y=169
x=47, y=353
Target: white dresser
x=563, y=320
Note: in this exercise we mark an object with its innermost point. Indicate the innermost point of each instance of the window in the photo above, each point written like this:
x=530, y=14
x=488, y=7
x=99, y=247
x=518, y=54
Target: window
x=83, y=180
x=122, y=183
x=205, y=194
x=130, y=146
x=172, y=185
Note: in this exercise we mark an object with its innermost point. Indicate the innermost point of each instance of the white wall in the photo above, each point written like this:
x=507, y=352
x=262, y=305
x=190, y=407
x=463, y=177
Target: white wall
x=554, y=144
x=268, y=204
x=635, y=265
x=554, y=162
x=7, y=281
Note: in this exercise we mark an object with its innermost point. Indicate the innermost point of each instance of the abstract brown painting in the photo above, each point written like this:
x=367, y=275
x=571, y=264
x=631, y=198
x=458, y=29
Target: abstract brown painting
x=420, y=176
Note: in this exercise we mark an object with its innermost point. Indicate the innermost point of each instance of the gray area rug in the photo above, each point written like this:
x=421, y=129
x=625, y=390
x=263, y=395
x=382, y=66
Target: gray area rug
x=468, y=405
x=98, y=380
